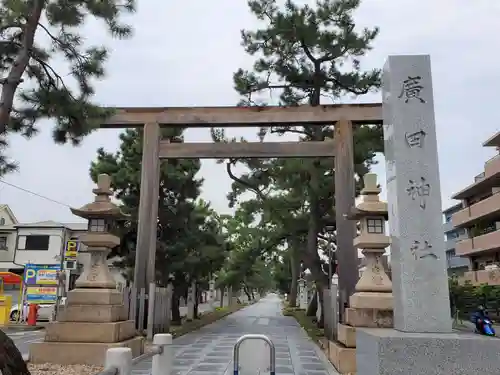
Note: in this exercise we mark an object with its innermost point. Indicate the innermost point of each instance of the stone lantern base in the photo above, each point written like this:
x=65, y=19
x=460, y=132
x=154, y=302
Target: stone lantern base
x=92, y=321
x=368, y=310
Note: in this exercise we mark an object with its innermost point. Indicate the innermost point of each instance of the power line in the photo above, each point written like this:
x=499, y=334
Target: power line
x=35, y=194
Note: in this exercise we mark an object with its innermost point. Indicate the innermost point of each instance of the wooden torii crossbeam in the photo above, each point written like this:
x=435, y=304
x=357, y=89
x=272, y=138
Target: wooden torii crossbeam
x=343, y=116
x=206, y=117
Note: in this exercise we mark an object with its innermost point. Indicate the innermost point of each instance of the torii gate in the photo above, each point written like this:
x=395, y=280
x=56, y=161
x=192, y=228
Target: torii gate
x=343, y=117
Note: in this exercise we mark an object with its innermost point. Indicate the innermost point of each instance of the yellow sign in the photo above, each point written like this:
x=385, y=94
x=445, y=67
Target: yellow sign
x=71, y=250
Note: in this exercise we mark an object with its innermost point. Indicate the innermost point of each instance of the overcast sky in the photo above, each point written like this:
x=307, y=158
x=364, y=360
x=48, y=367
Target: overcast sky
x=184, y=54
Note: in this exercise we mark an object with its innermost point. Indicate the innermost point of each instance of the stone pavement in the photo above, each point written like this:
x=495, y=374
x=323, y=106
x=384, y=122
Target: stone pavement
x=209, y=350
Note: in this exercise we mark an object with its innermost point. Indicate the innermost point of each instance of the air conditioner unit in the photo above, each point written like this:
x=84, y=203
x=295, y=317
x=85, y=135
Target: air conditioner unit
x=70, y=264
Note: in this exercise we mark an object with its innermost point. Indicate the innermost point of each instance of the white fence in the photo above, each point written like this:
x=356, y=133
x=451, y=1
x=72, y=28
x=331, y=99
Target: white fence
x=119, y=361
x=157, y=305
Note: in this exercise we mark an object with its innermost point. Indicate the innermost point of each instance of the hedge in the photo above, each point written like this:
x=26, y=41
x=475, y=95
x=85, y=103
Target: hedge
x=466, y=298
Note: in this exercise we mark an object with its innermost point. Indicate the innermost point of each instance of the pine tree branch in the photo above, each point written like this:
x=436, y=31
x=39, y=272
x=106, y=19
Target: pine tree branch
x=64, y=46
x=307, y=51
x=51, y=73
x=233, y=177
x=20, y=64
x=347, y=88
x=331, y=57
x=295, y=131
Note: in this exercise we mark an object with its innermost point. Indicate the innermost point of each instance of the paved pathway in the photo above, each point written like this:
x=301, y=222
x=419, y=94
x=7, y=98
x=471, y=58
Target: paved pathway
x=209, y=350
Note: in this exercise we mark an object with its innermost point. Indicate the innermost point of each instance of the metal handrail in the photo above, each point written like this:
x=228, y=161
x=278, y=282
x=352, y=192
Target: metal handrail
x=236, y=352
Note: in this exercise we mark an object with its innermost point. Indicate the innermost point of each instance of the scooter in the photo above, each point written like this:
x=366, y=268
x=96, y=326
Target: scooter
x=486, y=327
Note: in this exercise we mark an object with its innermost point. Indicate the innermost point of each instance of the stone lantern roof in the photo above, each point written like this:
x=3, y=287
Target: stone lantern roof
x=371, y=204
x=101, y=207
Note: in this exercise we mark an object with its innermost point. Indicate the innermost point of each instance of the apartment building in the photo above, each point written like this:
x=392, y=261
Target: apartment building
x=456, y=265
x=480, y=218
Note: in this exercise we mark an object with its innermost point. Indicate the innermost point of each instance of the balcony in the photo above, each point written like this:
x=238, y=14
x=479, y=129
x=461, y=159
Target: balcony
x=484, y=184
x=485, y=242
x=487, y=208
x=458, y=262
x=448, y=227
x=481, y=277
x=492, y=166
x=450, y=245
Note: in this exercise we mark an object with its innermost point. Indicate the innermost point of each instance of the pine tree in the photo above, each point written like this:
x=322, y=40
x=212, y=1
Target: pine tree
x=304, y=54
x=190, y=244
x=32, y=88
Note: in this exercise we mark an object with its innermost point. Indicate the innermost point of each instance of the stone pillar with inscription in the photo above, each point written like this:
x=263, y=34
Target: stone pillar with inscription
x=422, y=341
x=94, y=318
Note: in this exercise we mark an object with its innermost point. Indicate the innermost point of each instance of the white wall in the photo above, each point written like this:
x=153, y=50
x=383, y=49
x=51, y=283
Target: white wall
x=7, y=230
x=50, y=256
x=8, y=255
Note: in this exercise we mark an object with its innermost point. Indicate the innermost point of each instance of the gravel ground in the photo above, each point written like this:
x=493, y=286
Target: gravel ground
x=51, y=369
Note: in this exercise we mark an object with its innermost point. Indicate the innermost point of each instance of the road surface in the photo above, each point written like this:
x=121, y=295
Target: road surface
x=209, y=350
x=24, y=339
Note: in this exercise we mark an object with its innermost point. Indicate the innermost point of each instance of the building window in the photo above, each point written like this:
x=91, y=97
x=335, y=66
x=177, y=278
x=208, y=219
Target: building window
x=3, y=243
x=375, y=226
x=34, y=242
x=448, y=218
x=2, y=221
x=97, y=225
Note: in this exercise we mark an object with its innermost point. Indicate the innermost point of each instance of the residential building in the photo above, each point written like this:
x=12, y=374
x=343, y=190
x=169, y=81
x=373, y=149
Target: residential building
x=456, y=265
x=43, y=242
x=40, y=243
x=480, y=218
x=7, y=238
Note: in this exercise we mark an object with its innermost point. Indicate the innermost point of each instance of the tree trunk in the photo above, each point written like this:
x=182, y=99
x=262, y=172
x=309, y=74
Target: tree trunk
x=312, y=260
x=249, y=296
x=312, y=307
x=176, y=313
x=14, y=78
x=196, y=301
x=295, y=271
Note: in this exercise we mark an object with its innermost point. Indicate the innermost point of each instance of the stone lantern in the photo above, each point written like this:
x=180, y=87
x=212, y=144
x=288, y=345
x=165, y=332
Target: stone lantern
x=94, y=318
x=374, y=288
x=102, y=216
x=371, y=305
